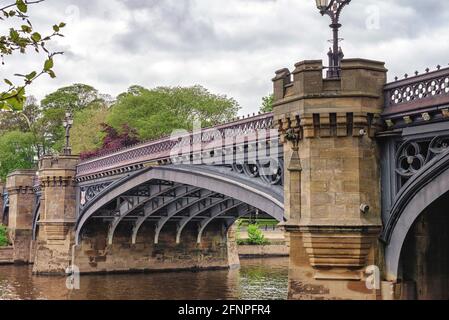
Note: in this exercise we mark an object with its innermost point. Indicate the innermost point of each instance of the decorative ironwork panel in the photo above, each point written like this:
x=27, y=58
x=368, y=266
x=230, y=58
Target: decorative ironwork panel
x=413, y=155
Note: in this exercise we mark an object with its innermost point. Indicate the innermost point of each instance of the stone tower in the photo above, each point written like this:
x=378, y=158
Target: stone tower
x=332, y=188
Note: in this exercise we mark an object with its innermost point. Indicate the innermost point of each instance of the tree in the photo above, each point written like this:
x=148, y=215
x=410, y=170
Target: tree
x=20, y=40
x=76, y=98
x=267, y=104
x=157, y=112
x=88, y=129
x=17, y=151
x=20, y=120
x=113, y=140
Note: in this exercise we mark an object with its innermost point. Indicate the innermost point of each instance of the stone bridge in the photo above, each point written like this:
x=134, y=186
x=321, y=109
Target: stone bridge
x=355, y=169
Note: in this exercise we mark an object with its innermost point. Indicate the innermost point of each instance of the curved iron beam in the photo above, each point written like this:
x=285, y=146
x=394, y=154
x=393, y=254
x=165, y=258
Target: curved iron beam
x=174, y=210
x=115, y=223
x=218, y=211
x=194, y=212
x=138, y=224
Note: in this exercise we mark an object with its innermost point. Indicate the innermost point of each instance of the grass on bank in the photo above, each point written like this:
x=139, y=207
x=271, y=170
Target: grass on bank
x=3, y=236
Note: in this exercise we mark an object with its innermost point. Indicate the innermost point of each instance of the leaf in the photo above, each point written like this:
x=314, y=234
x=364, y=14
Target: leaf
x=31, y=75
x=36, y=37
x=8, y=82
x=62, y=25
x=52, y=74
x=56, y=28
x=21, y=5
x=48, y=64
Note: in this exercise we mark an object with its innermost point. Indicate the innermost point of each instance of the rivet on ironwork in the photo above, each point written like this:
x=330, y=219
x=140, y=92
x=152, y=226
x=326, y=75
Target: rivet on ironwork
x=427, y=70
x=406, y=76
x=438, y=67
x=396, y=78
x=416, y=73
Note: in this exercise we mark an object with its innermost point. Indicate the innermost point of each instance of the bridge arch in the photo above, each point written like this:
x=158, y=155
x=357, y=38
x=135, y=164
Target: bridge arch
x=198, y=177
x=424, y=189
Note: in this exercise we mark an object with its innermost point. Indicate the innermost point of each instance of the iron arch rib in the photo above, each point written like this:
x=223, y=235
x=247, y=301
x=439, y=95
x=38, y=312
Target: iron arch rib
x=256, y=196
x=195, y=212
x=418, y=193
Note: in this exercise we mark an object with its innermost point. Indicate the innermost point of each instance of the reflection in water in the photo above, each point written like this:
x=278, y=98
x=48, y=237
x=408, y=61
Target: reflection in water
x=256, y=279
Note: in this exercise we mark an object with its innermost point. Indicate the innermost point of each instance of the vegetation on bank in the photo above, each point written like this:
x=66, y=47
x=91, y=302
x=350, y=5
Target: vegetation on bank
x=255, y=234
x=3, y=236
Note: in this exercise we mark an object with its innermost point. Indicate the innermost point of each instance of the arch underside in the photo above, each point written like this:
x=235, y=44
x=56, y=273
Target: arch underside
x=420, y=192
x=185, y=195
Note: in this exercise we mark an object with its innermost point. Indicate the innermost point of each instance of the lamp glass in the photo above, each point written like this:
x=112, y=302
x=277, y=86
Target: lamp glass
x=322, y=4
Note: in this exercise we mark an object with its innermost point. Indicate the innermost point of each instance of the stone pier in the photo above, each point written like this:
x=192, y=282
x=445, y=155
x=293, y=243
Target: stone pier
x=19, y=185
x=57, y=214
x=332, y=188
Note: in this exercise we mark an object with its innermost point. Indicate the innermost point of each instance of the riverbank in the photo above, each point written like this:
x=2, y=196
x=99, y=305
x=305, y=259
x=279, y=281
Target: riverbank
x=6, y=255
x=277, y=246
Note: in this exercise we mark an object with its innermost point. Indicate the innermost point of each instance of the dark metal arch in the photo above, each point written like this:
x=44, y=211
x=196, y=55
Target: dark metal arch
x=252, y=194
x=418, y=193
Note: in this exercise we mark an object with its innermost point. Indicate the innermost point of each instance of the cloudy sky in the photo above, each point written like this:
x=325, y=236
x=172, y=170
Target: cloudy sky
x=229, y=46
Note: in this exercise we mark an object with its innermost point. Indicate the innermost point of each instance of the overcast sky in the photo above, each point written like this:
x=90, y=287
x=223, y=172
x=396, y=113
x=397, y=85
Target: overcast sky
x=231, y=47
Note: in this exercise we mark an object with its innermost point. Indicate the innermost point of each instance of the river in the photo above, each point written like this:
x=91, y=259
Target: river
x=264, y=279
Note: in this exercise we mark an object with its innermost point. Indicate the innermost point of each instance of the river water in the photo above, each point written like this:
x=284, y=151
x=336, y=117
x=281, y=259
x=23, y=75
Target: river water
x=264, y=279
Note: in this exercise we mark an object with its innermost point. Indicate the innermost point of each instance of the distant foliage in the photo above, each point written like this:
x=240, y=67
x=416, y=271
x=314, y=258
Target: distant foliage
x=267, y=104
x=113, y=140
x=157, y=112
x=3, y=236
x=17, y=151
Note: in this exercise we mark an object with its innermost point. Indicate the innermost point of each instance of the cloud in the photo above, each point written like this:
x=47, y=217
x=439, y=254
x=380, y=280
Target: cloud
x=229, y=46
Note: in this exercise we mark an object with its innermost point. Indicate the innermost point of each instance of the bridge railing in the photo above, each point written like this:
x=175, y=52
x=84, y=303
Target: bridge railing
x=161, y=149
x=417, y=93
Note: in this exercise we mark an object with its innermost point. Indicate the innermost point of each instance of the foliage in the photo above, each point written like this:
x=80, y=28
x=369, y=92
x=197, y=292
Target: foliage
x=3, y=236
x=87, y=132
x=267, y=104
x=17, y=151
x=20, y=39
x=255, y=236
x=113, y=140
x=157, y=112
x=76, y=98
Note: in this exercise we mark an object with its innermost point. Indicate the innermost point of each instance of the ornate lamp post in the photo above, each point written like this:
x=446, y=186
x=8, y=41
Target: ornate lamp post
x=333, y=9
x=68, y=122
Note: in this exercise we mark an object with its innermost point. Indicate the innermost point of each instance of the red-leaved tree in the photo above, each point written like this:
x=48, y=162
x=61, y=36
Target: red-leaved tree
x=113, y=140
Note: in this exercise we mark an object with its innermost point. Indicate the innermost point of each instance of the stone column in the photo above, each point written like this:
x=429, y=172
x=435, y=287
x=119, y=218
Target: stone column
x=57, y=214
x=333, y=206
x=19, y=185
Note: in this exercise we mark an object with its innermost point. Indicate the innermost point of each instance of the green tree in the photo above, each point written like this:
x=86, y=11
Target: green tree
x=76, y=98
x=255, y=235
x=20, y=40
x=87, y=133
x=267, y=104
x=156, y=112
x=17, y=151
